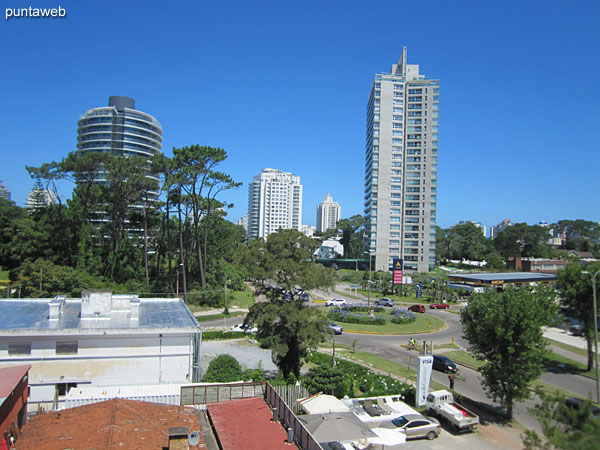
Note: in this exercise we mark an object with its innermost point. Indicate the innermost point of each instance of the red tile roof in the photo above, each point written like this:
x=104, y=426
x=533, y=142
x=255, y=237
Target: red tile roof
x=10, y=377
x=113, y=424
x=246, y=424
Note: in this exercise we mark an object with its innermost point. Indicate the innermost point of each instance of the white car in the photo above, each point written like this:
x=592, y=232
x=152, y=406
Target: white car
x=336, y=302
x=243, y=328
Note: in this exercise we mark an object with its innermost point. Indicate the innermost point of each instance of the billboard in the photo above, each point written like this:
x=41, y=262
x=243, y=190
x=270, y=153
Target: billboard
x=397, y=267
x=423, y=378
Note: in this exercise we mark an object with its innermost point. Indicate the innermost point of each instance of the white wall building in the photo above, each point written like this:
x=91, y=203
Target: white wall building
x=328, y=214
x=98, y=340
x=274, y=203
x=401, y=167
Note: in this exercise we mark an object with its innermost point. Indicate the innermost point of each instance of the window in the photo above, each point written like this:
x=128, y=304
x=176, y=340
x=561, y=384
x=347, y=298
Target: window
x=19, y=348
x=66, y=347
x=398, y=102
x=398, y=110
x=394, y=242
x=396, y=117
x=63, y=388
x=413, y=121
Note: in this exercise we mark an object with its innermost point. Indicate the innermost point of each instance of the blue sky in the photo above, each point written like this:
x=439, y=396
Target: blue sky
x=284, y=85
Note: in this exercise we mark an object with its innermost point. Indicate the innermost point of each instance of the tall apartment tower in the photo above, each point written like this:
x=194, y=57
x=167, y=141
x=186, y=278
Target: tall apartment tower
x=401, y=168
x=121, y=130
x=274, y=203
x=4, y=192
x=328, y=214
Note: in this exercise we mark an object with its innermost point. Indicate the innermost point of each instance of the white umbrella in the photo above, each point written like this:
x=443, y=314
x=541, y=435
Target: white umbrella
x=387, y=436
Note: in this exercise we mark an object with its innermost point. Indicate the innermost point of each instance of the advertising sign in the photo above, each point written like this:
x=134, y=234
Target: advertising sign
x=423, y=378
x=397, y=267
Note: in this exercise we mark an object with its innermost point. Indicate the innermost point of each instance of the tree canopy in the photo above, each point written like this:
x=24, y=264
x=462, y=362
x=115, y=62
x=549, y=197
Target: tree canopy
x=504, y=330
x=574, y=283
x=289, y=328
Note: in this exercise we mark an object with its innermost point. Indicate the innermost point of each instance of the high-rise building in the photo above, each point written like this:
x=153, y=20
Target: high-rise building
x=401, y=168
x=39, y=197
x=4, y=192
x=121, y=130
x=328, y=214
x=494, y=230
x=274, y=203
x=479, y=225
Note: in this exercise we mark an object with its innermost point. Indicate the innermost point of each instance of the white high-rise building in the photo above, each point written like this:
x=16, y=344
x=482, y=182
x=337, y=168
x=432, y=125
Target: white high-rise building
x=401, y=168
x=274, y=203
x=328, y=214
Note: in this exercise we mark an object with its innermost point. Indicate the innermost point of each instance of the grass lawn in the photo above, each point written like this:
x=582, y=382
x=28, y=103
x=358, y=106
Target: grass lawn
x=561, y=362
x=571, y=348
x=464, y=358
x=383, y=365
x=219, y=316
x=424, y=323
x=3, y=275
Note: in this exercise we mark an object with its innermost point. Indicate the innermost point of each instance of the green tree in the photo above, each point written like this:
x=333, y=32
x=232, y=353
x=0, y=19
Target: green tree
x=575, y=287
x=504, y=329
x=289, y=328
x=524, y=240
x=223, y=369
x=466, y=241
x=42, y=279
x=563, y=428
x=353, y=236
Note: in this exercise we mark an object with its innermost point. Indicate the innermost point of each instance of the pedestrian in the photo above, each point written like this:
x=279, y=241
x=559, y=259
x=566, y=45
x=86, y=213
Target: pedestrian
x=451, y=379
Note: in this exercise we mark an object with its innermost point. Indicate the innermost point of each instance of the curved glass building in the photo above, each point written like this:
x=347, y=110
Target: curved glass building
x=119, y=129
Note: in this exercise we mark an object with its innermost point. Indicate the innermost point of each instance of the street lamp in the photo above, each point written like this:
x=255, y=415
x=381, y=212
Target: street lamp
x=595, y=332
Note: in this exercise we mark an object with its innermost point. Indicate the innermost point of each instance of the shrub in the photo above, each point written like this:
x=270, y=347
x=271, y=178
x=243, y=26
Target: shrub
x=218, y=335
x=224, y=369
x=403, y=316
x=347, y=317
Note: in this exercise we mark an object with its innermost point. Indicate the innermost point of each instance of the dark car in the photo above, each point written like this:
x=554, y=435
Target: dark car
x=384, y=302
x=417, y=308
x=577, y=405
x=304, y=297
x=443, y=364
x=576, y=330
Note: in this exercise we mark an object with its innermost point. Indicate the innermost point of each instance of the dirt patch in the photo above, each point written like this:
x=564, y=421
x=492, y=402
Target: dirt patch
x=502, y=436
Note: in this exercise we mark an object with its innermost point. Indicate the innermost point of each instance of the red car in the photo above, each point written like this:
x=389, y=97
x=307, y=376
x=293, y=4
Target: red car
x=439, y=306
x=417, y=308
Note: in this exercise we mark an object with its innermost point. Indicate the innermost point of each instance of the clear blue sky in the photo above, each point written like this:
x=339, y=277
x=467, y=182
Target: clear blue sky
x=284, y=85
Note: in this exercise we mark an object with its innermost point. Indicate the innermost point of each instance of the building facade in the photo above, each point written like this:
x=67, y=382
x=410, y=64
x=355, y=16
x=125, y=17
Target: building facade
x=328, y=214
x=401, y=168
x=274, y=203
x=4, y=192
x=121, y=130
x=98, y=340
x=495, y=230
x=39, y=197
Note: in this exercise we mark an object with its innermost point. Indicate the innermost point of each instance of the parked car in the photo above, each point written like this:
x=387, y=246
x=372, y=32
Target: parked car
x=305, y=297
x=577, y=404
x=336, y=302
x=244, y=328
x=576, y=330
x=418, y=426
x=439, y=306
x=443, y=364
x=417, y=308
x=384, y=302
x=337, y=329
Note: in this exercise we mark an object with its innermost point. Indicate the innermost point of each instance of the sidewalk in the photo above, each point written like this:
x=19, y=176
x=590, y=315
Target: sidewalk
x=564, y=336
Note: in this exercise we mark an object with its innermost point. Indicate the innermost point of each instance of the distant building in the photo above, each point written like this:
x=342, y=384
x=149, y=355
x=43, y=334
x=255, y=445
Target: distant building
x=39, y=197
x=120, y=130
x=243, y=221
x=308, y=230
x=328, y=214
x=498, y=228
x=536, y=265
x=100, y=340
x=401, y=168
x=477, y=224
x=274, y=203
x=4, y=192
